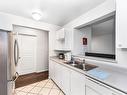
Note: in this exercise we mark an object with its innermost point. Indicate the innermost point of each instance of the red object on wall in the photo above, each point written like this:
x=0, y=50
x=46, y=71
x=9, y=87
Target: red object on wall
x=84, y=41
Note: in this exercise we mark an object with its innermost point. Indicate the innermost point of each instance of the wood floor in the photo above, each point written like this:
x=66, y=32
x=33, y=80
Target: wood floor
x=31, y=78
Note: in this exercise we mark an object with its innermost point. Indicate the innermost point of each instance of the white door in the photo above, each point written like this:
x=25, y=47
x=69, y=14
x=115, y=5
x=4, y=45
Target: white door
x=27, y=48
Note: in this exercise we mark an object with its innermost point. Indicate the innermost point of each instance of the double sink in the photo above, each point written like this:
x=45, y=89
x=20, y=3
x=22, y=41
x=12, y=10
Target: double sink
x=81, y=65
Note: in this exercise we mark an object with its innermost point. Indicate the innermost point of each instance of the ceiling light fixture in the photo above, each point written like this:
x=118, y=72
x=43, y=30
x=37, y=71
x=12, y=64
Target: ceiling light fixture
x=36, y=15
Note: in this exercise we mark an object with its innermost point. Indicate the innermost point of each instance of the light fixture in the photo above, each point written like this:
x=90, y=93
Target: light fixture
x=36, y=15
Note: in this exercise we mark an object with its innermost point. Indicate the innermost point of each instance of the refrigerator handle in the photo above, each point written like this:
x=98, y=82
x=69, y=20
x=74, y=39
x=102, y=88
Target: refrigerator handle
x=16, y=52
x=14, y=78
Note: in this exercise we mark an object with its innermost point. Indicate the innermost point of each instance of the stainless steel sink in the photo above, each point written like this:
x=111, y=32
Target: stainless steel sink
x=83, y=66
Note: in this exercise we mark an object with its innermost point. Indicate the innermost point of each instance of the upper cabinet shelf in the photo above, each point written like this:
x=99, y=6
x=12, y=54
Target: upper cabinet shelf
x=60, y=34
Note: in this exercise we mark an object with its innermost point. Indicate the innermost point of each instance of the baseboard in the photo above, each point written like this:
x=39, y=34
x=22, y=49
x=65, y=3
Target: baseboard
x=39, y=71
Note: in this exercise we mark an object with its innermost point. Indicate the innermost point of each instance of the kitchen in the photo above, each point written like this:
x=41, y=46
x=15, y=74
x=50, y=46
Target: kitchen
x=77, y=49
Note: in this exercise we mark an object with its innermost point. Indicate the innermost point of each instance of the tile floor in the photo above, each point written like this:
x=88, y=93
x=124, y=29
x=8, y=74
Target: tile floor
x=45, y=87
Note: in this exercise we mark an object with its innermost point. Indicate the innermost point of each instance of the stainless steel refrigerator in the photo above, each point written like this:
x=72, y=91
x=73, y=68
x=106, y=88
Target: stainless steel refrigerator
x=9, y=56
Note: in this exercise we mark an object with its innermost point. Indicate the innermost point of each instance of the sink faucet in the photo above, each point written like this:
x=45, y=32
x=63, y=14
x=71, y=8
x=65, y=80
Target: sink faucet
x=83, y=64
x=72, y=57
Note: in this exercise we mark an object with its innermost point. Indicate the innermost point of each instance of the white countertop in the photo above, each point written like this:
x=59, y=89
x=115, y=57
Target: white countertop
x=116, y=79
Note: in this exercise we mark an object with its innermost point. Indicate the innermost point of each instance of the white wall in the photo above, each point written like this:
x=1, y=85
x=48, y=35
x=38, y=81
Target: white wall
x=78, y=47
x=107, y=7
x=42, y=50
x=104, y=9
x=100, y=38
x=7, y=21
x=103, y=37
x=102, y=44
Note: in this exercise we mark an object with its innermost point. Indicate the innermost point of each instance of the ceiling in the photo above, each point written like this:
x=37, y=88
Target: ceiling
x=58, y=12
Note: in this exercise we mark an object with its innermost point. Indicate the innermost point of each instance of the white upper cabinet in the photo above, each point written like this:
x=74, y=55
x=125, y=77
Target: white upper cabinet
x=121, y=24
x=60, y=34
x=63, y=39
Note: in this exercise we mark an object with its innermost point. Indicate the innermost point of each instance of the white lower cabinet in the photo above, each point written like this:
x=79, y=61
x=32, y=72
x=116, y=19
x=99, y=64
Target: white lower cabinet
x=65, y=73
x=72, y=82
x=77, y=83
x=52, y=69
x=90, y=91
x=96, y=88
x=58, y=79
x=60, y=75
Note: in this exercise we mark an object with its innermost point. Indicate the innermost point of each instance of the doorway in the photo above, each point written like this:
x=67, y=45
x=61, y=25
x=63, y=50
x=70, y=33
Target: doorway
x=34, y=52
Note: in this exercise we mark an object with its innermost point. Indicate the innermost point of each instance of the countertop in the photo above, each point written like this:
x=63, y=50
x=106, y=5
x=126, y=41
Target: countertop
x=115, y=79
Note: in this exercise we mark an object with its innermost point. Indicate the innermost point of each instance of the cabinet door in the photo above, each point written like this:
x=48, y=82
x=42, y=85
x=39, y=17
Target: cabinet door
x=96, y=88
x=58, y=75
x=121, y=21
x=51, y=69
x=90, y=91
x=77, y=83
x=65, y=80
x=60, y=34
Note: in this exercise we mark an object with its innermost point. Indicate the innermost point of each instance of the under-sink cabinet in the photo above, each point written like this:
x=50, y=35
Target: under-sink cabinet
x=77, y=83
x=60, y=75
x=69, y=81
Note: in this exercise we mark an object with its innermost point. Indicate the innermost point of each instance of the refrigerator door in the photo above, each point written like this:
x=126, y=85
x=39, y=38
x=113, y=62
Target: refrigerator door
x=3, y=61
x=12, y=75
x=8, y=74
